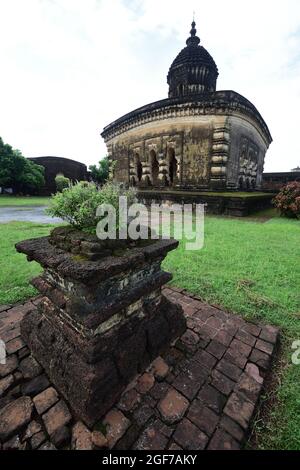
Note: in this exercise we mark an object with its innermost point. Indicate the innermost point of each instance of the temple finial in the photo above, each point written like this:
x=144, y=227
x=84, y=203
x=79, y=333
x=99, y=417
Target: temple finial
x=193, y=40
x=193, y=30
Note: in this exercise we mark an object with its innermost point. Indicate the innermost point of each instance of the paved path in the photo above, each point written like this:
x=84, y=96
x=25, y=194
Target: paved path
x=26, y=214
x=202, y=394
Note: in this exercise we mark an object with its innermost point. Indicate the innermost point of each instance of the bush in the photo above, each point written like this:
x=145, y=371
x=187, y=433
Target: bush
x=78, y=203
x=61, y=182
x=288, y=200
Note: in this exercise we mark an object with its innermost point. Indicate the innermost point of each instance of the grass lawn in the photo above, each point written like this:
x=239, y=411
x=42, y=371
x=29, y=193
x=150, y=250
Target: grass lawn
x=253, y=269
x=15, y=271
x=246, y=266
x=6, y=201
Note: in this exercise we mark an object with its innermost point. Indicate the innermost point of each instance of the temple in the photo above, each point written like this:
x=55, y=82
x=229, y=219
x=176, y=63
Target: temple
x=196, y=139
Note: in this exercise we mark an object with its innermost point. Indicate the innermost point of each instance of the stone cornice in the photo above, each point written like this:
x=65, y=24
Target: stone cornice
x=217, y=103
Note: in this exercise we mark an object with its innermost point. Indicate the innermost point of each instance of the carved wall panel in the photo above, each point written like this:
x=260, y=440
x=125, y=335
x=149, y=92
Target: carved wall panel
x=249, y=161
x=196, y=161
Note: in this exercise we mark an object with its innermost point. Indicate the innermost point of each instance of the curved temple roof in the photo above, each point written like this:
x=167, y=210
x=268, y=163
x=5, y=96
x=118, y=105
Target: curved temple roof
x=219, y=102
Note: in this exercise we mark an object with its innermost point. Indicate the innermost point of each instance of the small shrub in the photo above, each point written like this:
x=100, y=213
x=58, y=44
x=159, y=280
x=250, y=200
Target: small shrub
x=288, y=200
x=78, y=203
x=61, y=182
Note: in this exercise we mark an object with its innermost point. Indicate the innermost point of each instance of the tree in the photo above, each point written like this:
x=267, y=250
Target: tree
x=100, y=174
x=61, y=182
x=19, y=173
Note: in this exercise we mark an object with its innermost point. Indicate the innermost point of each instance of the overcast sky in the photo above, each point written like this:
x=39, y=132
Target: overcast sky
x=70, y=67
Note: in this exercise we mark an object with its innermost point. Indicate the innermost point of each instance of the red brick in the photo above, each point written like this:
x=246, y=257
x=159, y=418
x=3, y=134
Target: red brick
x=246, y=338
x=56, y=417
x=15, y=416
x=190, y=338
x=205, y=359
x=216, y=349
x=145, y=383
x=9, y=367
x=264, y=347
x=189, y=383
x=129, y=400
x=160, y=368
x=203, y=417
x=116, y=426
x=14, y=345
x=212, y=398
x=189, y=437
x=214, y=322
x=232, y=428
x=222, y=383
x=229, y=369
x=259, y=358
x=81, y=437
x=270, y=334
x=223, y=441
x=236, y=358
x=224, y=337
x=239, y=409
x=241, y=347
x=159, y=390
x=254, y=372
x=249, y=387
x=252, y=329
x=44, y=400
x=173, y=407
x=151, y=439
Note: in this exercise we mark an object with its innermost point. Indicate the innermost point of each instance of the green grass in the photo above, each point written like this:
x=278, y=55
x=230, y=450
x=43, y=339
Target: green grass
x=7, y=201
x=253, y=269
x=250, y=267
x=15, y=271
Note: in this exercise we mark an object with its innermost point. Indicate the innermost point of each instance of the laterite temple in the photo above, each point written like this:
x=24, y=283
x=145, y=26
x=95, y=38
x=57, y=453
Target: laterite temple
x=196, y=139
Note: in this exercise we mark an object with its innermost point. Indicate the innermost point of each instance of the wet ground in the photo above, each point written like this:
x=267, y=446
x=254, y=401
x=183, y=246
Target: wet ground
x=26, y=214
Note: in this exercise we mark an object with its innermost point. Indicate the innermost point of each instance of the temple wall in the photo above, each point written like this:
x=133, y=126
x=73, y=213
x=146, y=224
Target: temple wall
x=247, y=154
x=212, y=152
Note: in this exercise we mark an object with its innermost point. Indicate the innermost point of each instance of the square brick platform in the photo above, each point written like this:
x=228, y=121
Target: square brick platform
x=201, y=394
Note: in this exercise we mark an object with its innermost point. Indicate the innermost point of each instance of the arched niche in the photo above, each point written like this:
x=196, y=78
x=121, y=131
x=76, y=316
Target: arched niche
x=172, y=166
x=154, y=167
x=138, y=167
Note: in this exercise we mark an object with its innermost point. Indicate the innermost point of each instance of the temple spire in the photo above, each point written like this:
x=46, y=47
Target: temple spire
x=193, y=40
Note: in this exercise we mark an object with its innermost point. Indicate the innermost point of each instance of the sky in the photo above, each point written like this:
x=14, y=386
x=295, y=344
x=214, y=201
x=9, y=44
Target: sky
x=70, y=67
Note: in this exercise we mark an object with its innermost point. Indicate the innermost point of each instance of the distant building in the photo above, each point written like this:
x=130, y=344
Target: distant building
x=296, y=170
x=275, y=181
x=196, y=139
x=72, y=169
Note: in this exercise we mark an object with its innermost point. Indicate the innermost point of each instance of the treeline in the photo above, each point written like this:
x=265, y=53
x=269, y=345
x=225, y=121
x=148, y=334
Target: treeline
x=18, y=173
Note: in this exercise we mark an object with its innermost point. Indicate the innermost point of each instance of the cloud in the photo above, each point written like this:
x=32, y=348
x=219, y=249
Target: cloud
x=69, y=67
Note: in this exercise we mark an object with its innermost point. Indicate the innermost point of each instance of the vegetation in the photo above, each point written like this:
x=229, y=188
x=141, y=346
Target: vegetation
x=61, y=182
x=78, y=203
x=288, y=200
x=16, y=272
x=15, y=201
x=100, y=174
x=19, y=173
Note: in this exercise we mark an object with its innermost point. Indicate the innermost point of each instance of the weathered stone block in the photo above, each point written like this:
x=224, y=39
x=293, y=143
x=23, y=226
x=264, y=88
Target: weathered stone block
x=100, y=322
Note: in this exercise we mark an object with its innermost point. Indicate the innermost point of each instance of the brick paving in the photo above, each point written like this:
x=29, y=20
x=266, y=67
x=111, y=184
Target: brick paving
x=202, y=394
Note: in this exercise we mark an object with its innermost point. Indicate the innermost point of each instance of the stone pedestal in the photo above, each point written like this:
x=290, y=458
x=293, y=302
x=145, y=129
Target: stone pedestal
x=102, y=318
